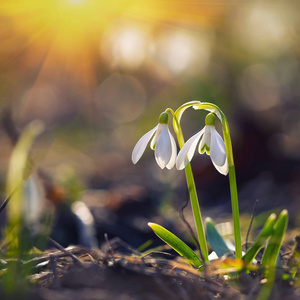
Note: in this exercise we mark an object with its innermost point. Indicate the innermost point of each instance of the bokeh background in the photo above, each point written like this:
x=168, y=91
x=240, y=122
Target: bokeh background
x=99, y=73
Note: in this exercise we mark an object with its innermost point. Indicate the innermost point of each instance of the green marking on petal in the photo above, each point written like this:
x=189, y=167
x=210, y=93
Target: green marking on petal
x=204, y=149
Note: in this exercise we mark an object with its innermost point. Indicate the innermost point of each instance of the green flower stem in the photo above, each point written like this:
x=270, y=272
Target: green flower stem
x=232, y=178
x=192, y=191
x=235, y=212
x=196, y=211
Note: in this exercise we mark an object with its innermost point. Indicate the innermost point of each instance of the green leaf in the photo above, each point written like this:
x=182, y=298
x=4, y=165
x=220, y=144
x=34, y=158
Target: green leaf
x=272, y=250
x=261, y=239
x=177, y=244
x=215, y=240
x=17, y=169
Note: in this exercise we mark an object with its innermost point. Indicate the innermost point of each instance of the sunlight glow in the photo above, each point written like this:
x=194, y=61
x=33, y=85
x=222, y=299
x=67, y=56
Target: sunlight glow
x=181, y=51
x=264, y=30
x=64, y=35
x=125, y=46
x=60, y=34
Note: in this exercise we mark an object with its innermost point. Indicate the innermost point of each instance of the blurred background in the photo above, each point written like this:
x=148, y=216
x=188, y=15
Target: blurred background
x=99, y=73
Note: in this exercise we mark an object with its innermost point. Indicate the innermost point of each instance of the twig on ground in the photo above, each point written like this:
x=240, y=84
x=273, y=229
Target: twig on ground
x=189, y=227
x=57, y=254
x=3, y=205
x=157, y=252
x=61, y=248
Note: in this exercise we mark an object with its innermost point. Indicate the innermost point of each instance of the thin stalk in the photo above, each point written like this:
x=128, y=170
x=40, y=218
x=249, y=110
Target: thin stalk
x=233, y=188
x=193, y=194
x=235, y=212
x=196, y=211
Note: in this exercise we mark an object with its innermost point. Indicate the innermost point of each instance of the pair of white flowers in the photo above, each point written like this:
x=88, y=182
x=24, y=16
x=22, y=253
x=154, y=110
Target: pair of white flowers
x=165, y=150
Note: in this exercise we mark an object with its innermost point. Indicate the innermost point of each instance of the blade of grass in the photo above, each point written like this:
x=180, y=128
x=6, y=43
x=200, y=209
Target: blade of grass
x=15, y=180
x=272, y=250
x=177, y=244
x=14, y=282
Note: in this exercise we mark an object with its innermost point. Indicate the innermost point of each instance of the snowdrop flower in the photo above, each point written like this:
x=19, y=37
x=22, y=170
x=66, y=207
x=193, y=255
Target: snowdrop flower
x=163, y=144
x=211, y=143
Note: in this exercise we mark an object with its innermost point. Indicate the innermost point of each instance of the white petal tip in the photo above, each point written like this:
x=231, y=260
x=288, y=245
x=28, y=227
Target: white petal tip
x=222, y=169
x=180, y=165
x=169, y=168
x=134, y=159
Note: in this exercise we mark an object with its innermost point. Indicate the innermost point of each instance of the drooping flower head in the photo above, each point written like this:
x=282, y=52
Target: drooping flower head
x=162, y=143
x=211, y=143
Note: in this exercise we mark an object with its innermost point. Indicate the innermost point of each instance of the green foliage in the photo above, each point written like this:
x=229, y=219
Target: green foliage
x=17, y=237
x=15, y=180
x=270, y=256
x=272, y=250
x=215, y=240
x=178, y=245
x=261, y=239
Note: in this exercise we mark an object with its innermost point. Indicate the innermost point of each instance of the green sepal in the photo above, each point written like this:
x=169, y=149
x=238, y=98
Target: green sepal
x=272, y=249
x=215, y=240
x=261, y=239
x=177, y=244
x=210, y=119
x=163, y=118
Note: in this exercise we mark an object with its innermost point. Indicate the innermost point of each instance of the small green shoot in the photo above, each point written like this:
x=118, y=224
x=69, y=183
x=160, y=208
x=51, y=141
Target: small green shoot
x=215, y=240
x=15, y=180
x=144, y=246
x=271, y=254
x=272, y=250
x=177, y=244
x=261, y=239
x=14, y=283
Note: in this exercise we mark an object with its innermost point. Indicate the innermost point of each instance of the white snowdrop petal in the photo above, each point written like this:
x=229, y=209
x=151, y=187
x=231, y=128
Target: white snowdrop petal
x=156, y=136
x=141, y=145
x=206, y=138
x=187, y=151
x=222, y=169
x=163, y=148
x=217, y=148
x=172, y=161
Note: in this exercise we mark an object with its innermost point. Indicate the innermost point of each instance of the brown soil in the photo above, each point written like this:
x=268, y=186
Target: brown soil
x=110, y=273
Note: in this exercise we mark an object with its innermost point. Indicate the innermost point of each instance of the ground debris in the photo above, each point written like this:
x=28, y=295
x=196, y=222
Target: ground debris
x=108, y=274
x=116, y=271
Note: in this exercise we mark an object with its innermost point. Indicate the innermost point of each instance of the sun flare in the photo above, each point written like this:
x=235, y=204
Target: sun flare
x=58, y=32
x=63, y=36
